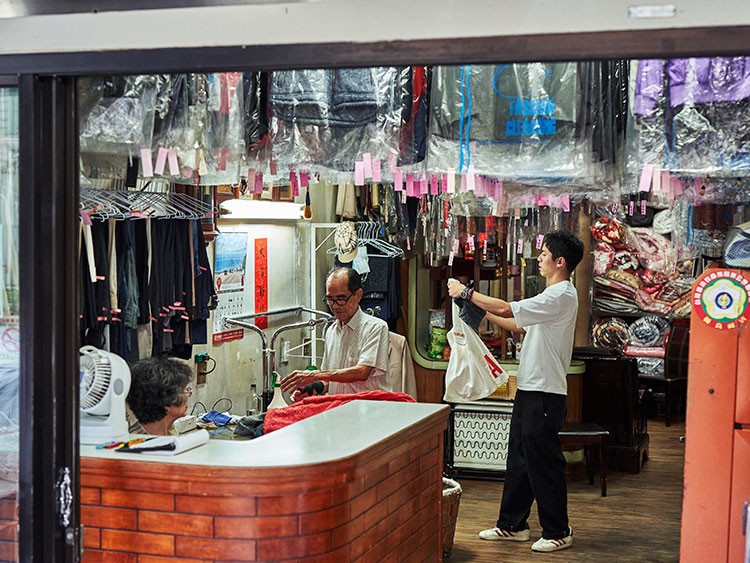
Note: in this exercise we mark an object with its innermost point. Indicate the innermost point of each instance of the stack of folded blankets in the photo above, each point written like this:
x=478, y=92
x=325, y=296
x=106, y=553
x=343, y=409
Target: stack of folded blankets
x=635, y=272
x=643, y=338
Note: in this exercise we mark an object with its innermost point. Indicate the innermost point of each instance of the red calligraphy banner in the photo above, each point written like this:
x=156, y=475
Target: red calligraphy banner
x=261, y=281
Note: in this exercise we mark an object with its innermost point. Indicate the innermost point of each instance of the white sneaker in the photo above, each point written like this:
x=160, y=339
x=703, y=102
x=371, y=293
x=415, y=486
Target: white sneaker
x=543, y=544
x=496, y=534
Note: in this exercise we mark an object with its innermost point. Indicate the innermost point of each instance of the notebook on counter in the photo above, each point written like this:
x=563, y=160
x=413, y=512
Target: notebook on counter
x=169, y=445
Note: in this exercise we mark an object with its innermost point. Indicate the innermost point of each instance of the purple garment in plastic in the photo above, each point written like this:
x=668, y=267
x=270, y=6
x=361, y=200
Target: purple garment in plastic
x=649, y=86
x=698, y=81
x=717, y=79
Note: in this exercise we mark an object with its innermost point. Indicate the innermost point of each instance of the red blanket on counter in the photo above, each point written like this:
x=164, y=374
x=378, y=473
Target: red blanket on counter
x=309, y=406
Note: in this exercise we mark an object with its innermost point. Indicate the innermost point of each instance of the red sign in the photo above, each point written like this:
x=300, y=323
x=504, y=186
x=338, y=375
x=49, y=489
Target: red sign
x=228, y=335
x=261, y=281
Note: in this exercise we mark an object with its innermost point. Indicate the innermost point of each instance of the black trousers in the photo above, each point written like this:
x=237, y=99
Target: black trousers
x=536, y=466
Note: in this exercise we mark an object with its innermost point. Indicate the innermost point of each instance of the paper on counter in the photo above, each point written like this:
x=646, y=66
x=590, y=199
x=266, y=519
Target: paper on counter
x=171, y=445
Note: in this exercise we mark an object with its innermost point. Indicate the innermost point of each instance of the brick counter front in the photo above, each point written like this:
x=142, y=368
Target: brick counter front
x=362, y=482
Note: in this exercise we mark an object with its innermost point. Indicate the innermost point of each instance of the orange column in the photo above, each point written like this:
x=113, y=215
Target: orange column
x=709, y=436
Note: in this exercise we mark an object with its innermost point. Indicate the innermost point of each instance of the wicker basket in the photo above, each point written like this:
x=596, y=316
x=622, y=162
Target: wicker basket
x=507, y=391
x=451, y=499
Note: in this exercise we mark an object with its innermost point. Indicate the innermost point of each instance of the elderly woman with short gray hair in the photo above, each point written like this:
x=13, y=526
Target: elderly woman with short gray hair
x=158, y=395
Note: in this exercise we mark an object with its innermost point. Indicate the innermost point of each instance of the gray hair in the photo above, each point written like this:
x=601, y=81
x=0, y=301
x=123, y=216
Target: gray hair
x=157, y=383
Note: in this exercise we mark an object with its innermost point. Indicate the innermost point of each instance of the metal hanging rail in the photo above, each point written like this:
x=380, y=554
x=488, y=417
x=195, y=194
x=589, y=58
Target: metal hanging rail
x=269, y=352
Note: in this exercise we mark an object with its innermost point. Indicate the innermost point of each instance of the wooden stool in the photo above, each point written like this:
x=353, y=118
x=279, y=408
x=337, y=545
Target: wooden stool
x=587, y=435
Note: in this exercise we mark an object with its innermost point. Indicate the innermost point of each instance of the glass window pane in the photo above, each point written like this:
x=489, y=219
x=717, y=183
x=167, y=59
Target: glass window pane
x=9, y=334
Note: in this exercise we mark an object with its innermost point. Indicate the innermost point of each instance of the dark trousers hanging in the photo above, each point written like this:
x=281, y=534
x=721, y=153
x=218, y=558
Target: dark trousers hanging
x=536, y=466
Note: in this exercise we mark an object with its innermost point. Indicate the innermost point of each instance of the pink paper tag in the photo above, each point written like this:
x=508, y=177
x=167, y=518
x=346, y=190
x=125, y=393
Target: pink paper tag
x=251, y=179
x=174, y=167
x=615, y=207
x=539, y=241
x=451, y=184
x=631, y=208
x=367, y=164
x=500, y=189
x=463, y=182
x=565, y=200
x=161, y=161
x=643, y=207
x=294, y=183
x=272, y=167
x=424, y=188
x=398, y=180
x=519, y=246
x=542, y=200
x=665, y=180
x=443, y=183
x=392, y=163
x=470, y=242
x=85, y=217
x=656, y=181
x=304, y=178
x=377, y=174
x=146, y=164
x=359, y=173
x=259, y=183
x=677, y=186
x=481, y=186
x=433, y=184
x=646, y=175
x=410, y=184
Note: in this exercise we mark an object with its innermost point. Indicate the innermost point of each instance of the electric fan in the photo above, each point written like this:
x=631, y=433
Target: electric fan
x=105, y=382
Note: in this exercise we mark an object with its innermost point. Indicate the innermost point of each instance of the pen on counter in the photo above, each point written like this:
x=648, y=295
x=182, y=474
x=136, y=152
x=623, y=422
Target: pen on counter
x=108, y=445
x=132, y=442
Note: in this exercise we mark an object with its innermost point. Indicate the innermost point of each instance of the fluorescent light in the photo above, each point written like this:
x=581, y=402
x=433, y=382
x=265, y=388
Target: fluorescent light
x=260, y=209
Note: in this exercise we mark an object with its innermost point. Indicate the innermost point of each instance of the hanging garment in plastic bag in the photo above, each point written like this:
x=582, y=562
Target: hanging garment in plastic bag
x=737, y=247
x=473, y=373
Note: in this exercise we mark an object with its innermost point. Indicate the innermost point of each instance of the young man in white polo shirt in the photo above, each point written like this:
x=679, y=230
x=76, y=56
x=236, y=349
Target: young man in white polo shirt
x=536, y=466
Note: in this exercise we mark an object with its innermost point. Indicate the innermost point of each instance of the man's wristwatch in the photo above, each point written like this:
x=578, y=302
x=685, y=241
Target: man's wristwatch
x=467, y=292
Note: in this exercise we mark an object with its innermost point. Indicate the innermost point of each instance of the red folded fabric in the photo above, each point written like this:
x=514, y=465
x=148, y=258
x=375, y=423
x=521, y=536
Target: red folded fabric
x=309, y=406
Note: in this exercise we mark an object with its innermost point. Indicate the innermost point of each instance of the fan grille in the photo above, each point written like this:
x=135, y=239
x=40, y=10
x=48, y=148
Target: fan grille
x=96, y=374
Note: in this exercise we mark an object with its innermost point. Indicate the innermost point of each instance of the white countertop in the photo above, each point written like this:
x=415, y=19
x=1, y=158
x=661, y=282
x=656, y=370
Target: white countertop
x=333, y=435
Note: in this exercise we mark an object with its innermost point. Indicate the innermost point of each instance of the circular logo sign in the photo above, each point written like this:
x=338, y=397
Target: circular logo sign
x=721, y=299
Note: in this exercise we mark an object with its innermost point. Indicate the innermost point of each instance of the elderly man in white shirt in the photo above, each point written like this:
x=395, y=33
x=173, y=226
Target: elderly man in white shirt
x=356, y=345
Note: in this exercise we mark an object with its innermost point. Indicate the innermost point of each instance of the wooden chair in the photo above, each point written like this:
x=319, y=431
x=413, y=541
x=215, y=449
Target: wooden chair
x=673, y=382
x=587, y=435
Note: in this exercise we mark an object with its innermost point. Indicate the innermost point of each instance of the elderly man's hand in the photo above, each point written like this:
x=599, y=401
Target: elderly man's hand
x=298, y=378
x=455, y=288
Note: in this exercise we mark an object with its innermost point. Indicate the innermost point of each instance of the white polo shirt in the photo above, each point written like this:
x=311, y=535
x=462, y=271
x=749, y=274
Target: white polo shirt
x=361, y=341
x=549, y=320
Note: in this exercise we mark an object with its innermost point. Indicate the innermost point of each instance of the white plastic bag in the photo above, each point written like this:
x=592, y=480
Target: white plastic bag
x=473, y=373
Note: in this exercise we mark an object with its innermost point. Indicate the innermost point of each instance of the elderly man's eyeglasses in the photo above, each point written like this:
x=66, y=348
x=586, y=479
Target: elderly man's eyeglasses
x=188, y=391
x=340, y=301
